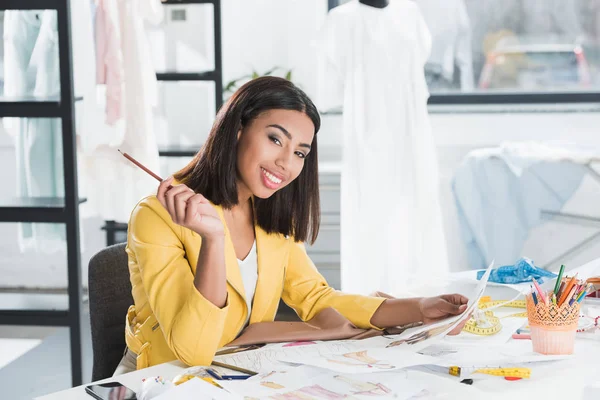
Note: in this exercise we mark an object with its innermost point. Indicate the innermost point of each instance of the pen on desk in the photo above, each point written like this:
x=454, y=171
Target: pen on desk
x=521, y=336
x=220, y=377
x=234, y=368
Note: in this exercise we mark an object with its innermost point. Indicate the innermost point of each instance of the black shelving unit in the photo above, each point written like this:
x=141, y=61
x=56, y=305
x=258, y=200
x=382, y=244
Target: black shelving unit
x=113, y=228
x=34, y=310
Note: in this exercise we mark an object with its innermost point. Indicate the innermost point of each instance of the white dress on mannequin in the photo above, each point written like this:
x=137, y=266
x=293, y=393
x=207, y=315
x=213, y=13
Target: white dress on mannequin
x=372, y=64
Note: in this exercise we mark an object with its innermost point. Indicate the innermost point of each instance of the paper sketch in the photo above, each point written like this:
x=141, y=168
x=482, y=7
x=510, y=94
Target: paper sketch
x=366, y=360
x=273, y=357
x=359, y=358
x=328, y=385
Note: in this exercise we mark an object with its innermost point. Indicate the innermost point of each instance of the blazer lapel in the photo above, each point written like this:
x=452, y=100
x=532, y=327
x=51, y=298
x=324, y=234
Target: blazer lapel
x=272, y=250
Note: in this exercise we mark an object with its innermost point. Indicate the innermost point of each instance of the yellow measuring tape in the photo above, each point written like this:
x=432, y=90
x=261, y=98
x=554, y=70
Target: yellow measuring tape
x=486, y=323
x=515, y=372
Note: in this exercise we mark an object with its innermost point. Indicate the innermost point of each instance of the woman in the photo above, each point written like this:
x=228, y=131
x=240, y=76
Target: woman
x=222, y=241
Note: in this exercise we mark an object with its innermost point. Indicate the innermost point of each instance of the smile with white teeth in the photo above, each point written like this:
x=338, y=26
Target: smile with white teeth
x=271, y=177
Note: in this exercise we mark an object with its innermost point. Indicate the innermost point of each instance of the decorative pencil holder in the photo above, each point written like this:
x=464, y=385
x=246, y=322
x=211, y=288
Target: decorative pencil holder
x=553, y=328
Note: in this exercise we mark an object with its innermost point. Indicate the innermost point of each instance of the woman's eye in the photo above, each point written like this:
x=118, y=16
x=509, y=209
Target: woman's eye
x=300, y=154
x=275, y=140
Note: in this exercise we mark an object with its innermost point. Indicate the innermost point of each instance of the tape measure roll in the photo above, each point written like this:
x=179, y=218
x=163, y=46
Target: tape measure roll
x=486, y=323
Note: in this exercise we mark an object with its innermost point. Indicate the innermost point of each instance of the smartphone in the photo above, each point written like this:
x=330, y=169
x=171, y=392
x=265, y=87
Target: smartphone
x=110, y=391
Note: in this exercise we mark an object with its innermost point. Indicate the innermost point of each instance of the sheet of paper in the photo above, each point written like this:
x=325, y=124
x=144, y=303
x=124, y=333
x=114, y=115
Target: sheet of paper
x=512, y=353
x=314, y=383
x=366, y=360
x=269, y=358
x=197, y=389
x=420, y=337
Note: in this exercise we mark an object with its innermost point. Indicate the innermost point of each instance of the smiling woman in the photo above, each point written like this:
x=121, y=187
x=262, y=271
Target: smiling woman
x=222, y=241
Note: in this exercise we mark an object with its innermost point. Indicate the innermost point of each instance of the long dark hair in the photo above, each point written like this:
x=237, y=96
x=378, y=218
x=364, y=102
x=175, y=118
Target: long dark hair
x=293, y=210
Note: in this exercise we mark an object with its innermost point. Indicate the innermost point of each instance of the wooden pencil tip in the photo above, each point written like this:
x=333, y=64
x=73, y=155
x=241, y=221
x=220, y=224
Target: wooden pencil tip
x=119, y=150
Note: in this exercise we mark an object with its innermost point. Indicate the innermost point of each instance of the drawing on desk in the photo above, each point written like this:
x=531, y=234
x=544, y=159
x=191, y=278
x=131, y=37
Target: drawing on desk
x=365, y=388
x=312, y=392
x=420, y=336
x=268, y=358
x=272, y=385
x=333, y=390
x=362, y=359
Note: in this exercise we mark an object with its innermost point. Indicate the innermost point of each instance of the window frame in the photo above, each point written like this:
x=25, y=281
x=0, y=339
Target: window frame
x=496, y=98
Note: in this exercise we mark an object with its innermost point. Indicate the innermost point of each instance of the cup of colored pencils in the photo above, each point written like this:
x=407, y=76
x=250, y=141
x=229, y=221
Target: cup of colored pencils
x=554, y=314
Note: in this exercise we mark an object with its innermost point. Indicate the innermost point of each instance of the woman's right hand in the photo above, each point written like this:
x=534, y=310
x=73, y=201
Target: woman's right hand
x=190, y=210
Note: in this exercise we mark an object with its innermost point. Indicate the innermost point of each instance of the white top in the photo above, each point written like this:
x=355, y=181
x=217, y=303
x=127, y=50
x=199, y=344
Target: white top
x=249, y=272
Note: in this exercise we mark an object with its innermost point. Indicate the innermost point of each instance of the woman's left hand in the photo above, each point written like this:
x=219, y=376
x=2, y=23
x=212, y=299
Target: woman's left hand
x=436, y=308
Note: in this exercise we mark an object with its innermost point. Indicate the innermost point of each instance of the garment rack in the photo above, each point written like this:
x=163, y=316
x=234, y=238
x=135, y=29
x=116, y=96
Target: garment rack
x=38, y=310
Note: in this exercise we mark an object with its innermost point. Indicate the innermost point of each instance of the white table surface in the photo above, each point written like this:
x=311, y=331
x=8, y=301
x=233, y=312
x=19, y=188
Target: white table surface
x=576, y=378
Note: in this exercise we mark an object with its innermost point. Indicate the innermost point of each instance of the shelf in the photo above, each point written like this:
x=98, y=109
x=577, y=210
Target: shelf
x=179, y=2
x=186, y=76
x=29, y=107
x=34, y=309
x=33, y=209
x=30, y=4
x=178, y=151
x=115, y=227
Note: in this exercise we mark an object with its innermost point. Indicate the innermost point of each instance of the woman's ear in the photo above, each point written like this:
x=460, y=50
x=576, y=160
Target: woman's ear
x=239, y=134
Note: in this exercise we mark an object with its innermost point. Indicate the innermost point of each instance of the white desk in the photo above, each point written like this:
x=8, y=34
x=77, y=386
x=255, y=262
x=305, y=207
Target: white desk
x=579, y=377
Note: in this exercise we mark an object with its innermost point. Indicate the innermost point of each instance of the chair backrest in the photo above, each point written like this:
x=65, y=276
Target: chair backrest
x=110, y=297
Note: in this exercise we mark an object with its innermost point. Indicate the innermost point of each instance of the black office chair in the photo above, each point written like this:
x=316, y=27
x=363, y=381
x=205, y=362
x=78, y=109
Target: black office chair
x=110, y=297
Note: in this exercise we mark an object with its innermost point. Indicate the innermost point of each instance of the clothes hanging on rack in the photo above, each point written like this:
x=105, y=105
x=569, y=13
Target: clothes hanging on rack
x=450, y=29
x=32, y=69
x=391, y=223
x=115, y=186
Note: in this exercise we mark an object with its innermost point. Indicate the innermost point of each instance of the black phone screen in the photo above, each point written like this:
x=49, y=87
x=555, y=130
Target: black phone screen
x=110, y=391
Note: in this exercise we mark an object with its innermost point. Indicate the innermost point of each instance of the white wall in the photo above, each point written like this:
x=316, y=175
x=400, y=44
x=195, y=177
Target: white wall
x=264, y=33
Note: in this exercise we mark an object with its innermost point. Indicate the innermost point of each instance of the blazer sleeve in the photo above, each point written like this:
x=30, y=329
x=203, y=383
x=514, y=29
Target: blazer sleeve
x=307, y=292
x=191, y=324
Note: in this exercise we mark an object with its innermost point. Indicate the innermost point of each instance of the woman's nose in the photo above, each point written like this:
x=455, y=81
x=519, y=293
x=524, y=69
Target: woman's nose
x=284, y=159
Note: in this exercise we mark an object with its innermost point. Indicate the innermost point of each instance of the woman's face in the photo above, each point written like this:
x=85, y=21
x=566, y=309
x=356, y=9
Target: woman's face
x=271, y=151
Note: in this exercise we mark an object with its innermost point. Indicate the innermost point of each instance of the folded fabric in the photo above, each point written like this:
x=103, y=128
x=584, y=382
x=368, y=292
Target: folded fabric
x=523, y=271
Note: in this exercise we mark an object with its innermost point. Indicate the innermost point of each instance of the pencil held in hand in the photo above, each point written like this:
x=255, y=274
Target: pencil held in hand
x=136, y=162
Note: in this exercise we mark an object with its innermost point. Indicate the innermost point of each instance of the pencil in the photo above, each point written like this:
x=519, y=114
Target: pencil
x=559, y=279
x=234, y=368
x=565, y=295
x=136, y=162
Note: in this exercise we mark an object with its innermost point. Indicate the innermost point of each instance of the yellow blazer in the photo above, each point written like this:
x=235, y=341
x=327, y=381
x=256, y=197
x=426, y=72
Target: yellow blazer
x=171, y=320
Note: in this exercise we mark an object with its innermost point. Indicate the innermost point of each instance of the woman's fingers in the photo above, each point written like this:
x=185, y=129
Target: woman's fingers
x=163, y=187
x=170, y=199
x=181, y=205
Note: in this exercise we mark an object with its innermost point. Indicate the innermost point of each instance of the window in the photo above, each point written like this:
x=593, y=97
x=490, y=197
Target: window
x=512, y=51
